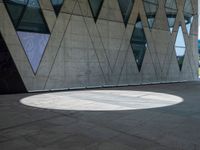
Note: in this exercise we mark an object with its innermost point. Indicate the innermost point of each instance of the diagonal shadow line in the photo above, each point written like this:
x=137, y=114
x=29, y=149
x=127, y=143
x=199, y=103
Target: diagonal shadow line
x=121, y=43
x=189, y=52
x=142, y=9
x=18, y=23
x=139, y=13
x=100, y=37
x=177, y=22
x=189, y=49
x=124, y=56
x=111, y=67
x=170, y=58
x=93, y=45
x=165, y=58
x=35, y=73
x=155, y=70
x=47, y=78
x=21, y=46
x=104, y=48
x=60, y=8
x=171, y=41
x=162, y=66
x=153, y=41
x=190, y=65
x=124, y=61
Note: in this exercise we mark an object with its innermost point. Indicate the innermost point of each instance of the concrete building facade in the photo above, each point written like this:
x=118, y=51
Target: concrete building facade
x=91, y=43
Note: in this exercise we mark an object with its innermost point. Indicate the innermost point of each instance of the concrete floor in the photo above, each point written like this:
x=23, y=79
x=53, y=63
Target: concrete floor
x=105, y=119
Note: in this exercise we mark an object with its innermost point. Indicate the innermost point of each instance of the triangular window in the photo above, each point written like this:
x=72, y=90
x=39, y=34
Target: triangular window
x=171, y=13
x=95, y=6
x=57, y=4
x=126, y=7
x=151, y=7
x=188, y=15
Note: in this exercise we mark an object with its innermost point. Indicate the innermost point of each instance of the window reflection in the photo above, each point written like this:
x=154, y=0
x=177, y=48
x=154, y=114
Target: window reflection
x=95, y=6
x=138, y=43
x=31, y=28
x=151, y=7
x=23, y=2
x=57, y=4
x=171, y=12
x=26, y=15
x=126, y=8
x=188, y=15
x=15, y=8
x=33, y=3
x=180, y=47
x=34, y=45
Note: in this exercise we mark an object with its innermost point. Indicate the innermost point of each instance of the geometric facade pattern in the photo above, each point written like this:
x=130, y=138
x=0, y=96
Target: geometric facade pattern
x=82, y=53
x=151, y=7
x=138, y=43
x=57, y=4
x=26, y=15
x=180, y=47
x=10, y=80
x=188, y=15
x=126, y=8
x=95, y=6
x=171, y=12
x=31, y=28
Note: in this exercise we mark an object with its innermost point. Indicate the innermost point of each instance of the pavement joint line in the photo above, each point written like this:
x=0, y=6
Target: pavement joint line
x=27, y=123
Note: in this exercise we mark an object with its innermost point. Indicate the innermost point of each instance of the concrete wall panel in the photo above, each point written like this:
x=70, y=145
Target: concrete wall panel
x=84, y=53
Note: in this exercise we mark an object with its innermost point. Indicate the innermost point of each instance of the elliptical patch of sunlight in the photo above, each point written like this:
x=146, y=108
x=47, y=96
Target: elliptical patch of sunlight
x=101, y=100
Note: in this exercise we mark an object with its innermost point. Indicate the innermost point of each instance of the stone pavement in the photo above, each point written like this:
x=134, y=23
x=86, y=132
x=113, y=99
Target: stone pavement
x=150, y=117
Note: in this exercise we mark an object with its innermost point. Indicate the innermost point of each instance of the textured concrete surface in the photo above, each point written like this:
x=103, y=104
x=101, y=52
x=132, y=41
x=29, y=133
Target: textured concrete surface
x=174, y=127
x=82, y=53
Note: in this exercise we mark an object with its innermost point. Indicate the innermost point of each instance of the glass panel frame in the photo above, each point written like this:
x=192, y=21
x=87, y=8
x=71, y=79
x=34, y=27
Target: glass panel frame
x=171, y=11
x=151, y=8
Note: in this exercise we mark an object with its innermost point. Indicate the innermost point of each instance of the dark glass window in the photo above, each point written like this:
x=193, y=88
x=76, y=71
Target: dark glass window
x=138, y=43
x=31, y=27
x=95, y=6
x=171, y=12
x=16, y=9
x=26, y=15
x=180, y=47
x=126, y=7
x=199, y=46
x=188, y=15
x=57, y=4
x=151, y=7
